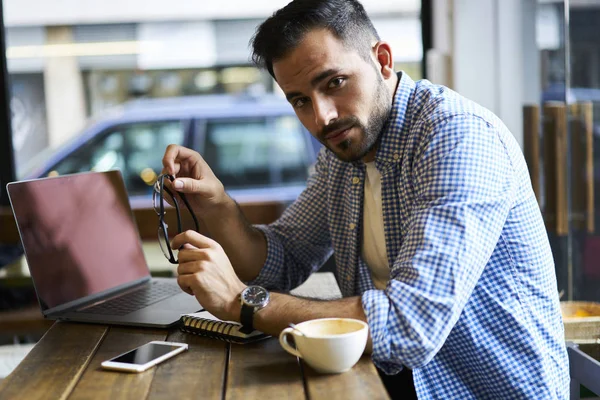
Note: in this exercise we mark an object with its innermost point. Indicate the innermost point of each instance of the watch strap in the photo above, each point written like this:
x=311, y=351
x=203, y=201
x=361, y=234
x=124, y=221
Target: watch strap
x=247, y=318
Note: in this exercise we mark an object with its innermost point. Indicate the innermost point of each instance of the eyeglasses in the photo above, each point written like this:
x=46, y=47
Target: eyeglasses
x=158, y=201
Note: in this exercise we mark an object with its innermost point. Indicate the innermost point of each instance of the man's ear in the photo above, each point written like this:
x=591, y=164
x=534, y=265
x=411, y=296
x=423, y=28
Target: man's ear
x=383, y=59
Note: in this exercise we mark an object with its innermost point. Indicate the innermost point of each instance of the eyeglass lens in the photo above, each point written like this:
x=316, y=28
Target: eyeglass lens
x=164, y=242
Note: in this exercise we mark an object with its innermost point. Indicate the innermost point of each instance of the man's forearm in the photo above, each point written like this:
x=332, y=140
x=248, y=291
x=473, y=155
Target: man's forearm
x=283, y=309
x=245, y=246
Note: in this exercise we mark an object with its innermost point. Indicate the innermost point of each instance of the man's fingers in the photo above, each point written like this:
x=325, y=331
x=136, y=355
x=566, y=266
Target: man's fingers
x=176, y=156
x=184, y=284
x=190, y=267
x=195, y=254
x=169, y=159
x=192, y=237
x=189, y=185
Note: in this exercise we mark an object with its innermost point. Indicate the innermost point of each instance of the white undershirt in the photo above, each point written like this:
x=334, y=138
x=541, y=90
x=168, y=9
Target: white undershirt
x=374, y=252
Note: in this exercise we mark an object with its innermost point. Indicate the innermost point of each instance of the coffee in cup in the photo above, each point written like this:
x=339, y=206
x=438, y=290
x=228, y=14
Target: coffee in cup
x=329, y=345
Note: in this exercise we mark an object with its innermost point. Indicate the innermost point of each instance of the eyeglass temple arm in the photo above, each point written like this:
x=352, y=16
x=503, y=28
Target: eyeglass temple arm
x=179, y=224
x=187, y=204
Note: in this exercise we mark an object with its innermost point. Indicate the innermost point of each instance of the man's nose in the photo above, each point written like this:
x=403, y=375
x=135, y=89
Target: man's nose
x=325, y=112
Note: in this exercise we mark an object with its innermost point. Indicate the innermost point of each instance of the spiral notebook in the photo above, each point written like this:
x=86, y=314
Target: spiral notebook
x=320, y=285
x=204, y=323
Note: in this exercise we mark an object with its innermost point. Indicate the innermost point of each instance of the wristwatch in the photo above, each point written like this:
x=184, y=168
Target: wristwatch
x=253, y=299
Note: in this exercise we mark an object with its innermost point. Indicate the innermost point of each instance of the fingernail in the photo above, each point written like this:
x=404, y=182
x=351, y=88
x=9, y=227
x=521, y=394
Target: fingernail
x=178, y=184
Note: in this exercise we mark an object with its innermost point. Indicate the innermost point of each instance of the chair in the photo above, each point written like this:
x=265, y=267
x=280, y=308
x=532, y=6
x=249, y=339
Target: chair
x=584, y=370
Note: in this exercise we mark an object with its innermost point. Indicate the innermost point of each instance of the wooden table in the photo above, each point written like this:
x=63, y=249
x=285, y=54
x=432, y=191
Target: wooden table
x=65, y=364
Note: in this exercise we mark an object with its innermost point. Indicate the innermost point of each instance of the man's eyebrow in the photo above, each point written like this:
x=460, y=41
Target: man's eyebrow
x=325, y=74
x=314, y=82
x=291, y=95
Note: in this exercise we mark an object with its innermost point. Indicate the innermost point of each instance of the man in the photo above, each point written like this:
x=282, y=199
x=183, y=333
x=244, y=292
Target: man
x=424, y=198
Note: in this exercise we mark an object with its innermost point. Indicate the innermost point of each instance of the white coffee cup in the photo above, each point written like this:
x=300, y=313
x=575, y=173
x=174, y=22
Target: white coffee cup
x=329, y=345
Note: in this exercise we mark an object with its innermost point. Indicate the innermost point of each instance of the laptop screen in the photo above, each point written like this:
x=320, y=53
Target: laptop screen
x=78, y=234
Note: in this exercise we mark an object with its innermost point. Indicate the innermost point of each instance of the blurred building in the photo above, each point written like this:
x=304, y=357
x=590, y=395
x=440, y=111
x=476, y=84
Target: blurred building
x=71, y=59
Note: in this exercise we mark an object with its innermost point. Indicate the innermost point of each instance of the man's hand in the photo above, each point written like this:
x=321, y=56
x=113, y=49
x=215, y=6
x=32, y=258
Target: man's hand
x=194, y=178
x=245, y=246
x=206, y=272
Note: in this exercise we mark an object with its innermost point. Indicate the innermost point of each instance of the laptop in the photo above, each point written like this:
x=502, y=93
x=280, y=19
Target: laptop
x=85, y=254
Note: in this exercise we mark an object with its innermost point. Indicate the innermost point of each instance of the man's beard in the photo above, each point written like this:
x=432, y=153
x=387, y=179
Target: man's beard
x=351, y=150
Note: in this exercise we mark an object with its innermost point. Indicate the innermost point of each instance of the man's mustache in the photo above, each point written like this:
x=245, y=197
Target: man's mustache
x=339, y=124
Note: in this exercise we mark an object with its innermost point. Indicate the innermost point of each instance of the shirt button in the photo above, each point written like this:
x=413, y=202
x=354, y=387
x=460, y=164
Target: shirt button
x=352, y=226
x=356, y=180
x=396, y=156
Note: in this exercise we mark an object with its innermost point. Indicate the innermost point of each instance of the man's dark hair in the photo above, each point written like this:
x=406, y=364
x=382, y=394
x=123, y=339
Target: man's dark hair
x=285, y=29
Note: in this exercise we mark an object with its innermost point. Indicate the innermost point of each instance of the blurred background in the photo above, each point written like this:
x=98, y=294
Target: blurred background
x=72, y=63
x=101, y=85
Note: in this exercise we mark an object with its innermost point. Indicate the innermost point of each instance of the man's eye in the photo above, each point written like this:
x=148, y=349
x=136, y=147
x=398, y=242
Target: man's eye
x=298, y=102
x=336, y=82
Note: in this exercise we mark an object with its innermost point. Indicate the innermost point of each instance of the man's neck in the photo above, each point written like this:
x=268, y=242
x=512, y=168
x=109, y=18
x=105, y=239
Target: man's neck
x=370, y=156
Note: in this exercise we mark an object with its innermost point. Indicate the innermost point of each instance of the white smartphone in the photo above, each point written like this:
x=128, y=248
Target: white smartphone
x=144, y=357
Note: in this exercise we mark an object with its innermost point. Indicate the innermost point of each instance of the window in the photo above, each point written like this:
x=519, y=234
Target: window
x=289, y=151
x=102, y=155
x=258, y=152
x=136, y=149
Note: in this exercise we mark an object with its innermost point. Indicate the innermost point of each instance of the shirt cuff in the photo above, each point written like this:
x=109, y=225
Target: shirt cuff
x=270, y=274
x=376, y=306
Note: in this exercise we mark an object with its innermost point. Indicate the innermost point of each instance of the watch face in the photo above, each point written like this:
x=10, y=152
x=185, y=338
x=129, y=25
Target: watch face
x=255, y=296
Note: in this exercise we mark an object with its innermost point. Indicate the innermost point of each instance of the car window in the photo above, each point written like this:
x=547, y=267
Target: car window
x=290, y=152
x=257, y=152
x=102, y=154
x=136, y=149
x=146, y=145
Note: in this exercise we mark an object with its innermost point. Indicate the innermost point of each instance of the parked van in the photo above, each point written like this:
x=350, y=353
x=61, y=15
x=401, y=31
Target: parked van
x=255, y=145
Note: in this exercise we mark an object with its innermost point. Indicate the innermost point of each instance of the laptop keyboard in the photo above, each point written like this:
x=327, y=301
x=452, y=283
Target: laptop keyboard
x=136, y=300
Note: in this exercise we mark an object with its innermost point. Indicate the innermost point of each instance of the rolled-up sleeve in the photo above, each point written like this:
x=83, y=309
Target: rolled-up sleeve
x=465, y=186
x=298, y=243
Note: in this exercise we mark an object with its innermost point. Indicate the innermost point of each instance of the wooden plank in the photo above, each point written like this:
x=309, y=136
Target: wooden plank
x=263, y=371
x=27, y=320
x=587, y=110
x=99, y=383
x=556, y=213
x=578, y=152
x=54, y=365
x=198, y=372
x=256, y=213
x=531, y=146
x=361, y=382
x=147, y=222
x=9, y=233
x=582, y=166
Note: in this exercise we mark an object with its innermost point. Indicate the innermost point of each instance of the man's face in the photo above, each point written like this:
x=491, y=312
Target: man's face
x=339, y=96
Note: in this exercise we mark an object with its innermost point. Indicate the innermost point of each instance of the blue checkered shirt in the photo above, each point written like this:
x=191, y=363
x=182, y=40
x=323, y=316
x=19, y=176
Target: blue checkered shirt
x=472, y=304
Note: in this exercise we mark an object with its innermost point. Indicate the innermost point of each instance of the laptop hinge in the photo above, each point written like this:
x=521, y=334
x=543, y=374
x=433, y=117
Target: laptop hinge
x=78, y=304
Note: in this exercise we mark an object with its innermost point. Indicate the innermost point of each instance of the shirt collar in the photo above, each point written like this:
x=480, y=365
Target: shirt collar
x=391, y=136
